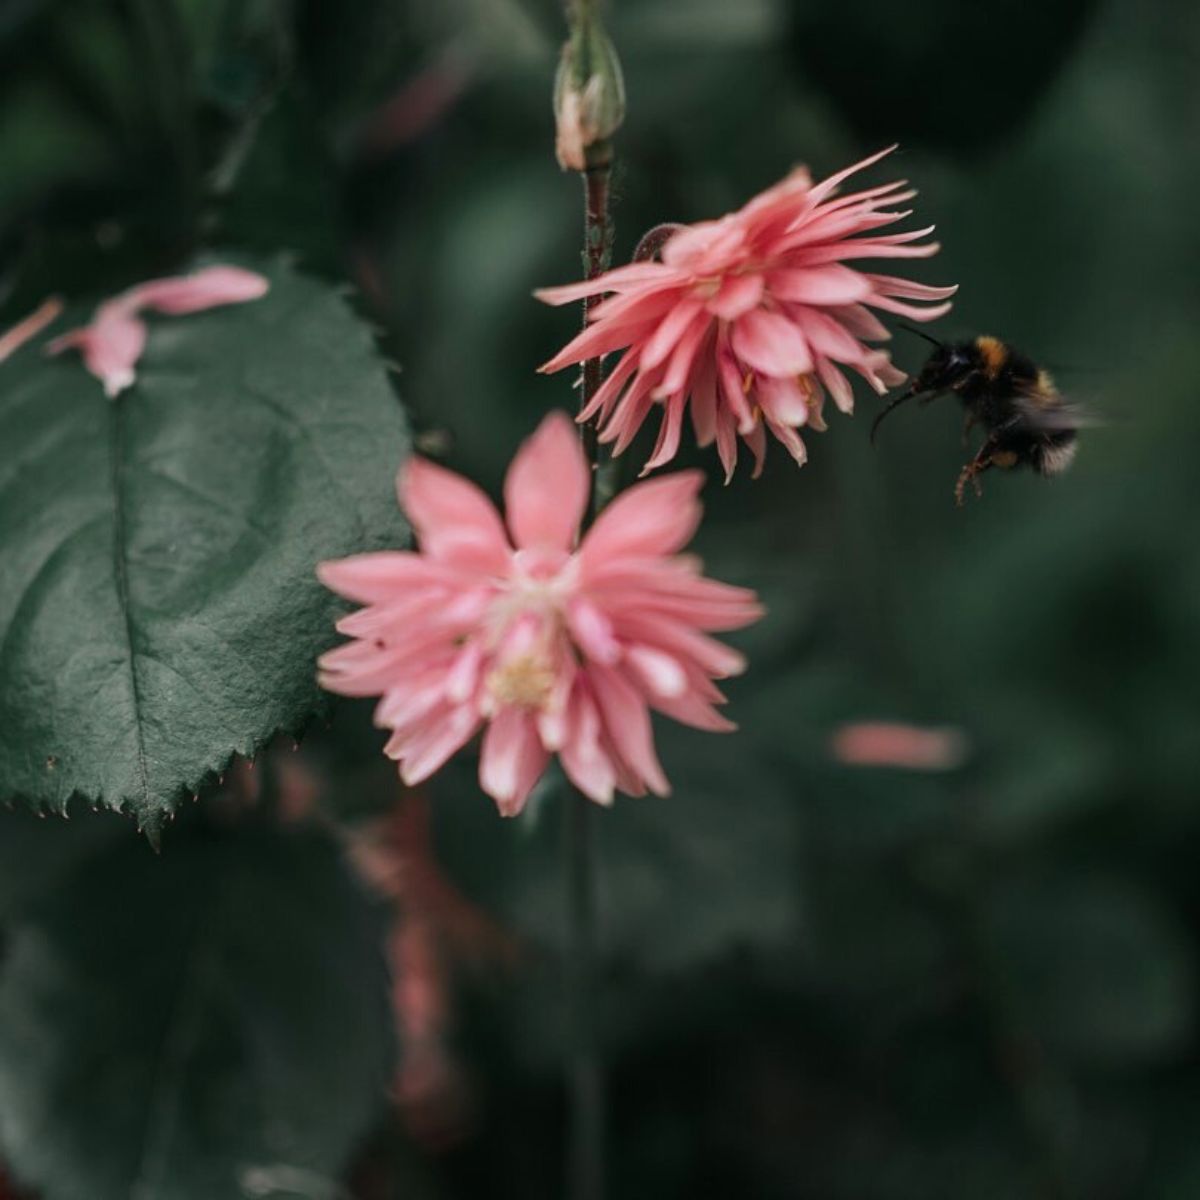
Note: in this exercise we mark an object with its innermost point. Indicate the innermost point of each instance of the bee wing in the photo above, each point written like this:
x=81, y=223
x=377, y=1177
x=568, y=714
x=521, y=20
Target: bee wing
x=1059, y=417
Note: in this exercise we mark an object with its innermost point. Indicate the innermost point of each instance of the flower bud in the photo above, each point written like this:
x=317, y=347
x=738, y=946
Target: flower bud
x=589, y=95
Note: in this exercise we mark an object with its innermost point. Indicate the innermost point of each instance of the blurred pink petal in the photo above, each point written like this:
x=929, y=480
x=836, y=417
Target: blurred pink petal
x=554, y=647
x=434, y=928
x=749, y=319
x=453, y=520
x=111, y=346
x=113, y=342
x=895, y=744
x=547, y=488
x=27, y=329
x=416, y=106
x=211, y=287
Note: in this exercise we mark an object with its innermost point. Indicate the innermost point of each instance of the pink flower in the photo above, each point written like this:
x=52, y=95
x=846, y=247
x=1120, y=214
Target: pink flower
x=895, y=744
x=554, y=645
x=113, y=343
x=751, y=318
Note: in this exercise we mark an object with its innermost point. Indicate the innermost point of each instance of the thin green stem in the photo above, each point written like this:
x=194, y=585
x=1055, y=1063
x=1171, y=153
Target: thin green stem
x=585, y=1167
x=597, y=255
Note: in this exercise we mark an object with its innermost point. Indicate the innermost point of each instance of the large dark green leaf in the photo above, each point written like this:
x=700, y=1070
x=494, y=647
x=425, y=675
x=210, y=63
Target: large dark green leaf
x=158, y=607
x=212, y=1023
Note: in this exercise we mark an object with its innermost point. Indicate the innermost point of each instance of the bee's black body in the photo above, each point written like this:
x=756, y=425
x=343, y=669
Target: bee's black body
x=1026, y=420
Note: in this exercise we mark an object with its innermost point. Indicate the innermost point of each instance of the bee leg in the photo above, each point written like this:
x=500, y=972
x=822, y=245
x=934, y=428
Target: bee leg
x=971, y=472
x=969, y=422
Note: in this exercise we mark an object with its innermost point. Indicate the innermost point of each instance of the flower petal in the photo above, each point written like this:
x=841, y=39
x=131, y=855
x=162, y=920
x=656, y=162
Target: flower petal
x=691, y=709
x=546, y=489
x=670, y=329
x=592, y=631
x=442, y=737
x=769, y=342
x=783, y=400
x=656, y=517
x=583, y=756
x=619, y=279
x=211, y=287
x=838, y=385
x=738, y=294
x=111, y=346
x=627, y=720
x=452, y=518
x=383, y=575
x=511, y=760
x=662, y=675
x=832, y=284
x=830, y=184
x=29, y=327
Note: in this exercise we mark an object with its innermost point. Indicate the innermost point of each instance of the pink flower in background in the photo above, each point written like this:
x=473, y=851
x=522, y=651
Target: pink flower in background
x=551, y=646
x=896, y=744
x=751, y=319
x=113, y=342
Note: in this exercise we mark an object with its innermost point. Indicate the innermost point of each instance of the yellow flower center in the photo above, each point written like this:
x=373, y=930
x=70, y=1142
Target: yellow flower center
x=525, y=680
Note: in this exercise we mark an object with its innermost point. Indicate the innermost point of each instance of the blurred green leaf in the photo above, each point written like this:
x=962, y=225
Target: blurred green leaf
x=44, y=142
x=939, y=49
x=282, y=189
x=37, y=851
x=1093, y=968
x=683, y=879
x=194, y=1026
x=159, y=607
x=1043, y=770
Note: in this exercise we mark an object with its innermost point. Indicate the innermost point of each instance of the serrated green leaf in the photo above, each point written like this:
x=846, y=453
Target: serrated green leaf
x=159, y=610
x=194, y=1026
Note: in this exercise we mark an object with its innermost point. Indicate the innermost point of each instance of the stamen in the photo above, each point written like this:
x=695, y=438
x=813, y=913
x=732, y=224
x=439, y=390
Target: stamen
x=525, y=680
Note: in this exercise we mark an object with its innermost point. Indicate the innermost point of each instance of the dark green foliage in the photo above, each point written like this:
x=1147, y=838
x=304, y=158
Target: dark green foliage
x=970, y=74
x=159, y=606
x=685, y=879
x=208, y=1023
x=1094, y=968
x=817, y=982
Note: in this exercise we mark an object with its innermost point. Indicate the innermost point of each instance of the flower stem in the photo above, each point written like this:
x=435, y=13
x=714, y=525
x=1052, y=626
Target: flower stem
x=585, y=1166
x=597, y=255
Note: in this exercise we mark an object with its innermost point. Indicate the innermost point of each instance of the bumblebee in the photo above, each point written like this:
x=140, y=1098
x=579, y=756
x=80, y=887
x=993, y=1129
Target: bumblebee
x=1025, y=418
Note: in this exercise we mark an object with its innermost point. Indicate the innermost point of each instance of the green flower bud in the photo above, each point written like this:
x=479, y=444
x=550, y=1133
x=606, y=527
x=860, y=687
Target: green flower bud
x=589, y=96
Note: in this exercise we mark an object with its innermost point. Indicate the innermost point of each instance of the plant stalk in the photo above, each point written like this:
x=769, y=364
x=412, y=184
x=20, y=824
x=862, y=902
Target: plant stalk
x=585, y=1166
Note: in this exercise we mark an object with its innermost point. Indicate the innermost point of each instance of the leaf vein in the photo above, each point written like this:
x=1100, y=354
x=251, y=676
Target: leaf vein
x=293, y=422
x=121, y=578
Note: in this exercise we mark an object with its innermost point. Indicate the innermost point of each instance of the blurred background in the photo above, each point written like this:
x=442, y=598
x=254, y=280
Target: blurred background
x=820, y=980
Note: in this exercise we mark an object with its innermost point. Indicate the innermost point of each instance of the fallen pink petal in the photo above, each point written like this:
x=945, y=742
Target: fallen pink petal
x=749, y=322
x=29, y=327
x=111, y=346
x=212, y=287
x=897, y=745
x=113, y=342
x=548, y=644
